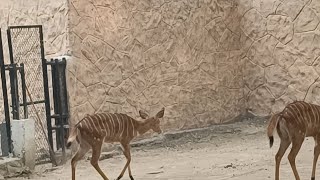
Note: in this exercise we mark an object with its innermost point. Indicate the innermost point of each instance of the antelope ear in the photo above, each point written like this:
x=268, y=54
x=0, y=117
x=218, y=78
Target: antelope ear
x=143, y=115
x=160, y=113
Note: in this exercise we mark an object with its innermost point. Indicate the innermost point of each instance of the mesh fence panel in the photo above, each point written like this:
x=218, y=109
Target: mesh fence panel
x=26, y=49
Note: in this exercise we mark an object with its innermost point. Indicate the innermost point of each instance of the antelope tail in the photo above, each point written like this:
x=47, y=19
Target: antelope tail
x=72, y=136
x=272, y=125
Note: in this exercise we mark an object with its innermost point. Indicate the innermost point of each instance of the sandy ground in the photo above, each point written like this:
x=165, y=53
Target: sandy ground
x=238, y=151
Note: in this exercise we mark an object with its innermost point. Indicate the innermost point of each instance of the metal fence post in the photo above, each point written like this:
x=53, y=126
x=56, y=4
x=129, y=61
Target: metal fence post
x=24, y=93
x=5, y=97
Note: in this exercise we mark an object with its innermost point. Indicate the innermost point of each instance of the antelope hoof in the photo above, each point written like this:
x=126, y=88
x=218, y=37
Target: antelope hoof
x=133, y=179
x=313, y=178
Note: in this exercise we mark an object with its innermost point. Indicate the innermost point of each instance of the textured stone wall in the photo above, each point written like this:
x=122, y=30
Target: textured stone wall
x=178, y=54
x=282, y=64
x=53, y=15
x=206, y=61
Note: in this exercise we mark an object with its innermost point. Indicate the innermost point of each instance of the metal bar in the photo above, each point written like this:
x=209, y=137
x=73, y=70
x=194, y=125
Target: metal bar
x=9, y=66
x=51, y=62
x=5, y=97
x=55, y=99
x=35, y=102
x=15, y=72
x=61, y=120
x=14, y=95
x=10, y=45
x=65, y=94
x=24, y=92
x=56, y=116
x=46, y=90
x=13, y=80
x=28, y=26
x=64, y=85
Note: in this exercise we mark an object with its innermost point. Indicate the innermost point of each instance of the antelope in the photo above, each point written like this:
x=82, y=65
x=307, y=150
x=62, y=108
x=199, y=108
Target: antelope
x=297, y=121
x=93, y=130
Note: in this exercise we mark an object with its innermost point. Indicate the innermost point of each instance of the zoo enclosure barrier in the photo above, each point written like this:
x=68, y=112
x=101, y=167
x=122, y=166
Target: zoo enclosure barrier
x=28, y=72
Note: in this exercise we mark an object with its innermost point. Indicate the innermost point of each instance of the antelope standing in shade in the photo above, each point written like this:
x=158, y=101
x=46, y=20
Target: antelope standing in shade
x=297, y=121
x=93, y=130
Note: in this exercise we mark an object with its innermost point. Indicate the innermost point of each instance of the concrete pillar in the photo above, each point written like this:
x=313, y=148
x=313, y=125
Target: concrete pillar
x=23, y=141
x=4, y=139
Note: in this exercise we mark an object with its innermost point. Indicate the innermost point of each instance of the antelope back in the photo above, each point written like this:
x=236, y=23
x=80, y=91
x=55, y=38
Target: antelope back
x=112, y=127
x=303, y=116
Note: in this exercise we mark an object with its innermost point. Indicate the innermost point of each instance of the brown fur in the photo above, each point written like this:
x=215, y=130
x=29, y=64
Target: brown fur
x=297, y=121
x=93, y=130
x=272, y=125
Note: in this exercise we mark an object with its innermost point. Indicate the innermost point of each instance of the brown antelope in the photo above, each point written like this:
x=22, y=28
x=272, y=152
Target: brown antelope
x=93, y=130
x=297, y=121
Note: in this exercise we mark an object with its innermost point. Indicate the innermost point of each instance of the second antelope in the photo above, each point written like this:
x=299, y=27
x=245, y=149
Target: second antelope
x=297, y=121
x=93, y=130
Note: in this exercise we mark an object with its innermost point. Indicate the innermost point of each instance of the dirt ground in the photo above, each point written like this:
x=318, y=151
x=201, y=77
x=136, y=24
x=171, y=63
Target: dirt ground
x=237, y=151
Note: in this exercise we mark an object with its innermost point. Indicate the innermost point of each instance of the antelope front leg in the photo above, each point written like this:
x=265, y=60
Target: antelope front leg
x=127, y=154
x=315, y=158
x=83, y=149
x=96, y=151
x=130, y=175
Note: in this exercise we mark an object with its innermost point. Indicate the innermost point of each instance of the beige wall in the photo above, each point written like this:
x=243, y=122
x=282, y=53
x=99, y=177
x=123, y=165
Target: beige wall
x=206, y=61
x=53, y=15
x=181, y=55
x=282, y=65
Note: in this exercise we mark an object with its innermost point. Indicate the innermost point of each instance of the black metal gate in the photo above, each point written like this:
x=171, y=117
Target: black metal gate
x=6, y=144
x=27, y=61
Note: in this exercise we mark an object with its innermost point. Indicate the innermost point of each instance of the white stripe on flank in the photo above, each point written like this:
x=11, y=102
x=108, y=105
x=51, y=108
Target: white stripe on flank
x=112, y=127
x=93, y=124
x=307, y=114
x=317, y=114
x=119, y=125
x=292, y=114
x=80, y=124
x=115, y=125
x=314, y=116
x=127, y=123
x=123, y=124
x=133, y=130
x=298, y=111
x=98, y=122
x=87, y=124
x=105, y=123
x=101, y=124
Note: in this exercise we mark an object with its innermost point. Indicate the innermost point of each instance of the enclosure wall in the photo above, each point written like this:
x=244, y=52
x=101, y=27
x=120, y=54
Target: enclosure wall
x=206, y=61
x=181, y=55
x=283, y=62
x=53, y=15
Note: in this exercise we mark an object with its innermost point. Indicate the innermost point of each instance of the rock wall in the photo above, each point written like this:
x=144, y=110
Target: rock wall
x=282, y=64
x=185, y=56
x=206, y=61
x=53, y=15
